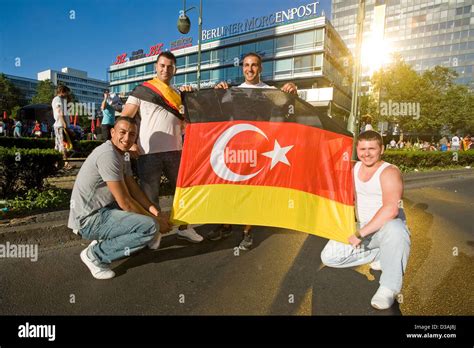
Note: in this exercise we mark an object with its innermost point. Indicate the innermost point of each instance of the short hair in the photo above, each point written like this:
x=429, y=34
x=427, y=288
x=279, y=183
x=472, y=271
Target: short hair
x=126, y=119
x=62, y=89
x=253, y=54
x=167, y=54
x=370, y=135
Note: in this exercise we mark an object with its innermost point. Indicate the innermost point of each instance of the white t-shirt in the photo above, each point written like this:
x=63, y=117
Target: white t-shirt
x=160, y=130
x=455, y=141
x=258, y=85
x=62, y=103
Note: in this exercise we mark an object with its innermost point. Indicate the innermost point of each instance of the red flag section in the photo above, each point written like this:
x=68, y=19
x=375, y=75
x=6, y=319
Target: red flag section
x=267, y=173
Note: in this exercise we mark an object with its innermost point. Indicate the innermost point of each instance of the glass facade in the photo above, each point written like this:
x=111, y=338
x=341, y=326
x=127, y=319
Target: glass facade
x=26, y=86
x=425, y=33
x=226, y=57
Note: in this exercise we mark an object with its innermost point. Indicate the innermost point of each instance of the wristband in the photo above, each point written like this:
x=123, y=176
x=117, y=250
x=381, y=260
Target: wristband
x=357, y=234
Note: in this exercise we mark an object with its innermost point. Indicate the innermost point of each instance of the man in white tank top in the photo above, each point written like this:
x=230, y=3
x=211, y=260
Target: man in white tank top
x=383, y=237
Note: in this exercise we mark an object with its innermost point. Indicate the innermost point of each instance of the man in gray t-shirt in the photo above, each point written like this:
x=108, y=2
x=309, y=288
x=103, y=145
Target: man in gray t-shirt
x=108, y=206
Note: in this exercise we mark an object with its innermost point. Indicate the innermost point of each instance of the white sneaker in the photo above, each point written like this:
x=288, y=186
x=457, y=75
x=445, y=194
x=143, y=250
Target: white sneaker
x=190, y=235
x=155, y=242
x=98, y=270
x=383, y=298
x=376, y=266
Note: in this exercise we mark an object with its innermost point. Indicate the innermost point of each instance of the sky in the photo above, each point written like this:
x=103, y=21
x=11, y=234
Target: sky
x=37, y=35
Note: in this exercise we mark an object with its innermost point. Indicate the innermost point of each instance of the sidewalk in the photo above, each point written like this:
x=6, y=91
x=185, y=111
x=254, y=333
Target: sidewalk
x=50, y=229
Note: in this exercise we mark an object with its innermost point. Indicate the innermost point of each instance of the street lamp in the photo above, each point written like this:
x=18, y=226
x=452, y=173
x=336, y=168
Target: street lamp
x=352, y=124
x=184, y=25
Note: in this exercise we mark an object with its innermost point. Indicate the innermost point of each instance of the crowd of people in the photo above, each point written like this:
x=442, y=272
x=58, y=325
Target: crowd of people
x=456, y=143
x=27, y=128
x=121, y=216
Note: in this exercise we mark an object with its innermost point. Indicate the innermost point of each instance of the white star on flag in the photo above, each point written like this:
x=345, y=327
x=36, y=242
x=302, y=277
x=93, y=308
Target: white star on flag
x=278, y=154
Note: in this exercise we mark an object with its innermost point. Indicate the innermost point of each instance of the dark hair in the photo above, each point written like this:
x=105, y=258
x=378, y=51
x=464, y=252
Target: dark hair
x=167, y=54
x=253, y=54
x=371, y=135
x=62, y=89
x=126, y=119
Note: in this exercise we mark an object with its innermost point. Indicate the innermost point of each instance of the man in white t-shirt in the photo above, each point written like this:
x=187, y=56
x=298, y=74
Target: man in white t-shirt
x=383, y=237
x=455, y=143
x=160, y=141
x=61, y=119
x=252, y=69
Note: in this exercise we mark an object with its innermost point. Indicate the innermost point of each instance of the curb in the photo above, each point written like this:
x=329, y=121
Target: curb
x=50, y=229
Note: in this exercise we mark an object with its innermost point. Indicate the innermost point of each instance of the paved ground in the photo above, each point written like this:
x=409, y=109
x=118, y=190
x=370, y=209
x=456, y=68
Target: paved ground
x=281, y=275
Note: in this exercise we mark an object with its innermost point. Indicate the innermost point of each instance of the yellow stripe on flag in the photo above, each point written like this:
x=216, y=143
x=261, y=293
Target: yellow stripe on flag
x=264, y=206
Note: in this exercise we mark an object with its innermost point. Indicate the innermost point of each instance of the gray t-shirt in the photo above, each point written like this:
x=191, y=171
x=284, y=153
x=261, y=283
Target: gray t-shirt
x=90, y=192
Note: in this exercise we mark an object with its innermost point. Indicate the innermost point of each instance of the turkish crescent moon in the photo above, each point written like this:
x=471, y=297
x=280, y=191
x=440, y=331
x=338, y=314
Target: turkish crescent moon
x=217, y=154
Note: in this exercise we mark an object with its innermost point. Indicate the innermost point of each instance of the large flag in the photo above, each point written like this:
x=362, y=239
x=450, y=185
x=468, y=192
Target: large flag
x=263, y=157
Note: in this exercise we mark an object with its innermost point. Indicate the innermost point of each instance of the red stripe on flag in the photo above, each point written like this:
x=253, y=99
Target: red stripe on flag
x=319, y=161
x=157, y=91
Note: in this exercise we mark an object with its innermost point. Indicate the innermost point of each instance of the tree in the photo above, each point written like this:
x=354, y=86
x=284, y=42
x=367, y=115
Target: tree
x=432, y=99
x=45, y=92
x=9, y=95
x=15, y=110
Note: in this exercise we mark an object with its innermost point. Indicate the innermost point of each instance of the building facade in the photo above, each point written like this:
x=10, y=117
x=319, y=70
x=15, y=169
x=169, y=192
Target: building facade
x=86, y=89
x=307, y=52
x=425, y=33
x=26, y=86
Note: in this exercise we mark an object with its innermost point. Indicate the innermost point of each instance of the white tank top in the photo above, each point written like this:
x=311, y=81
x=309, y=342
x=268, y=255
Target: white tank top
x=368, y=194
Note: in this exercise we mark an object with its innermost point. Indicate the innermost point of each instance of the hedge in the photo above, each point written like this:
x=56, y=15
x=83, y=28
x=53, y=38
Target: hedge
x=409, y=160
x=81, y=148
x=24, y=169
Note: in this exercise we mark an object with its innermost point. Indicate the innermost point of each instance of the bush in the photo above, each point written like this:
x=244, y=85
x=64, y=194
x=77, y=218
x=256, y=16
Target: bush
x=24, y=169
x=27, y=143
x=410, y=160
x=34, y=199
x=81, y=148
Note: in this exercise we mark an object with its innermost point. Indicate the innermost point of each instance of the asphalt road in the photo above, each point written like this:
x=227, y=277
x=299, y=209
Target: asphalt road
x=281, y=275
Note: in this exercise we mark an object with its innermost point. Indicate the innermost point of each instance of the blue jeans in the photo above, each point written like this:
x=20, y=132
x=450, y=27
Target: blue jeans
x=150, y=168
x=390, y=245
x=120, y=233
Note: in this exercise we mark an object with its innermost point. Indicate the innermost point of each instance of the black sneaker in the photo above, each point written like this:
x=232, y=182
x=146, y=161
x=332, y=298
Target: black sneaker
x=220, y=232
x=247, y=242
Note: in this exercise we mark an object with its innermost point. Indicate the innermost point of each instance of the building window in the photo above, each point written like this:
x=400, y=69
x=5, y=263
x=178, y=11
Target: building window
x=217, y=75
x=217, y=56
x=231, y=53
x=180, y=62
x=267, y=72
x=304, y=40
x=205, y=57
x=319, y=37
x=205, y=75
x=233, y=73
x=192, y=60
x=150, y=68
x=283, y=66
x=247, y=48
x=140, y=70
x=191, y=78
x=284, y=43
x=179, y=79
x=303, y=64
x=265, y=48
x=318, y=61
